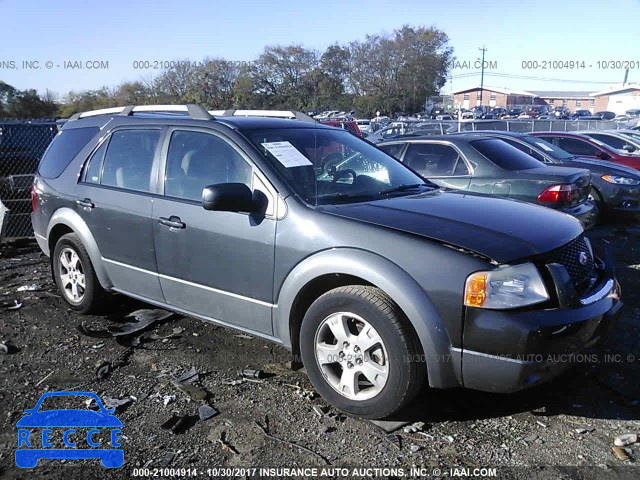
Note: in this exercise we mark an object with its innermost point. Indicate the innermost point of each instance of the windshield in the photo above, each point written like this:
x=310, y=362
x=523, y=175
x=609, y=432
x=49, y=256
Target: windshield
x=329, y=166
x=549, y=148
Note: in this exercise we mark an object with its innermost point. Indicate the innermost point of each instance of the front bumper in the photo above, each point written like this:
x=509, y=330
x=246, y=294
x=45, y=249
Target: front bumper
x=506, y=351
x=622, y=199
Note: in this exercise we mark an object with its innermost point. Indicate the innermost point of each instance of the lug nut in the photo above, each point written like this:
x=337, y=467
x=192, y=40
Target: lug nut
x=341, y=355
x=356, y=349
x=359, y=361
x=345, y=345
x=349, y=365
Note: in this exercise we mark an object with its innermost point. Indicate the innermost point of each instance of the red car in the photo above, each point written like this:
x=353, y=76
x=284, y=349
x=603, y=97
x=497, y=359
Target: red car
x=584, y=146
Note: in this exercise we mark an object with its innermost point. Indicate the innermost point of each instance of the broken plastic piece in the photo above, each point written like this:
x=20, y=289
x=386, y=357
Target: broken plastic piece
x=34, y=287
x=205, y=412
x=143, y=319
x=626, y=439
x=167, y=399
x=103, y=370
x=116, y=403
x=179, y=424
x=15, y=305
x=167, y=458
x=248, y=373
x=189, y=376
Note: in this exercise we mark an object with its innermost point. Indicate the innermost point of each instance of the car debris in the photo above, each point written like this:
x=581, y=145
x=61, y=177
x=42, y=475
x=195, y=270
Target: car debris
x=585, y=430
x=34, y=287
x=205, y=412
x=15, y=305
x=626, y=439
x=395, y=440
x=543, y=425
x=249, y=373
x=176, y=333
x=143, y=319
x=103, y=370
x=414, y=448
x=414, y=427
x=621, y=453
x=189, y=376
x=242, y=335
x=168, y=457
x=167, y=399
x=185, y=383
x=8, y=348
x=117, y=404
x=179, y=424
x=321, y=411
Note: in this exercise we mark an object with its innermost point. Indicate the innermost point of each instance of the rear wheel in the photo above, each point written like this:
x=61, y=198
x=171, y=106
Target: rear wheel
x=360, y=352
x=74, y=275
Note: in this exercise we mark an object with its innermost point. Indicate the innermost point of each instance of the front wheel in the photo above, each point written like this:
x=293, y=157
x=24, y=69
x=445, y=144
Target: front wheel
x=74, y=275
x=360, y=352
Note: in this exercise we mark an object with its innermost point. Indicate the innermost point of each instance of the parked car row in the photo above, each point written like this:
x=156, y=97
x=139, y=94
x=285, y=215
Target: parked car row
x=526, y=165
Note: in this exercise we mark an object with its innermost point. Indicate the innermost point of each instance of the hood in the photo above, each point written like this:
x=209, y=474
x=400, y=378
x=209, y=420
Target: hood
x=502, y=230
x=603, y=166
x=69, y=418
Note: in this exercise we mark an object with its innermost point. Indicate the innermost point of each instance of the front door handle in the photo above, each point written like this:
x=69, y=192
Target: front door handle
x=172, y=222
x=86, y=203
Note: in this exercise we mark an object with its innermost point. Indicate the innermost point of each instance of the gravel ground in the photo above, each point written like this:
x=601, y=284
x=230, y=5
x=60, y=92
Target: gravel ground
x=565, y=429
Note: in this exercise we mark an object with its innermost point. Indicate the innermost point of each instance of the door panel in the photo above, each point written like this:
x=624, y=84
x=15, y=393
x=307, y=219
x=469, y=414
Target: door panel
x=119, y=217
x=219, y=264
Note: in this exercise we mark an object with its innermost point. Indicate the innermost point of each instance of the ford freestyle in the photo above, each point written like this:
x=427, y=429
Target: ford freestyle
x=378, y=280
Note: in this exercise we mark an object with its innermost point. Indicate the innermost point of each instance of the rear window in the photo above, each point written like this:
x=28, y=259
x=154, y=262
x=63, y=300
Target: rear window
x=64, y=147
x=504, y=155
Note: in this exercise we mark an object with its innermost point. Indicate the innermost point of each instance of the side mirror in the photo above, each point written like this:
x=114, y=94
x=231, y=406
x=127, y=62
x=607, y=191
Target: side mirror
x=629, y=148
x=229, y=197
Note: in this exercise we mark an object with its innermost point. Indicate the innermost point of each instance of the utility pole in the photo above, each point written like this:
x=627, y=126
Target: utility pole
x=483, y=49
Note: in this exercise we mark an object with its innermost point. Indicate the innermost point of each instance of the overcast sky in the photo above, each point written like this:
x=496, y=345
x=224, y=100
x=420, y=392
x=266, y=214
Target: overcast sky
x=123, y=32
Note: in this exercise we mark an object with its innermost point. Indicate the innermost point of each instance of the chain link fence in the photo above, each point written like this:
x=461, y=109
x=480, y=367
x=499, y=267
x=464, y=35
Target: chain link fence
x=22, y=143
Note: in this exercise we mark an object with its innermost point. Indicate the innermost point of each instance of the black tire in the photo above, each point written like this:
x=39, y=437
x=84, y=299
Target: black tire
x=93, y=295
x=406, y=368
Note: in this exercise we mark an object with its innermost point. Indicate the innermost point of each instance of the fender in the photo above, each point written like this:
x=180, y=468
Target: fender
x=71, y=219
x=443, y=367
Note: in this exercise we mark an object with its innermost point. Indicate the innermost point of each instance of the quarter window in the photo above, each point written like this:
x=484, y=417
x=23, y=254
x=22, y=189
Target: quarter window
x=129, y=159
x=198, y=159
x=92, y=174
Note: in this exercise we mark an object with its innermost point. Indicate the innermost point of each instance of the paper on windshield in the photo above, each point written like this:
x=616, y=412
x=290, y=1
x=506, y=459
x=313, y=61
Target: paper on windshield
x=546, y=147
x=287, y=154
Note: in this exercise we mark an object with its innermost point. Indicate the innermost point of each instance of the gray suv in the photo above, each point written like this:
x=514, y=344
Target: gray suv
x=377, y=281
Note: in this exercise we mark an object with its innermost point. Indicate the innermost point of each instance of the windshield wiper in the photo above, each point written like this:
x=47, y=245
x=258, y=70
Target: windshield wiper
x=404, y=188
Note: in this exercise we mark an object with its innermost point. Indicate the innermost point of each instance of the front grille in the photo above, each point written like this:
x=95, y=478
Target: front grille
x=569, y=256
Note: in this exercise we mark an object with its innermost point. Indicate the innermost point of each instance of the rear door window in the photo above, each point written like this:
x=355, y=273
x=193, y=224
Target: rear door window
x=527, y=150
x=577, y=147
x=435, y=160
x=504, y=155
x=129, y=159
x=395, y=149
x=64, y=147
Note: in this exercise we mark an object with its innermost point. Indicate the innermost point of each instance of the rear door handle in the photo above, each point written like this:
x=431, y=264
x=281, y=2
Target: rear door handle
x=86, y=203
x=172, y=222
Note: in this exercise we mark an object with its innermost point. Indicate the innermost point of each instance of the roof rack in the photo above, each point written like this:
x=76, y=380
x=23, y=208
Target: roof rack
x=196, y=112
x=292, y=114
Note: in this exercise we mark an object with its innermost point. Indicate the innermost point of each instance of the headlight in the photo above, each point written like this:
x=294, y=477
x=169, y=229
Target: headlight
x=507, y=287
x=620, y=180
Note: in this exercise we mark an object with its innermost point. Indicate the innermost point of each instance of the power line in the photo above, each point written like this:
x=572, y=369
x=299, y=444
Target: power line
x=526, y=77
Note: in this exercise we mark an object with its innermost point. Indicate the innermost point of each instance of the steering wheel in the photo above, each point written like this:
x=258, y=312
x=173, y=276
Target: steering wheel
x=338, y=174
x=328, y=160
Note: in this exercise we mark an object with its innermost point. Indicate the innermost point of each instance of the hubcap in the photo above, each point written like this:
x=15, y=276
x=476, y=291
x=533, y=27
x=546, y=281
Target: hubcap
x=351, y=355
x=71, y=274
